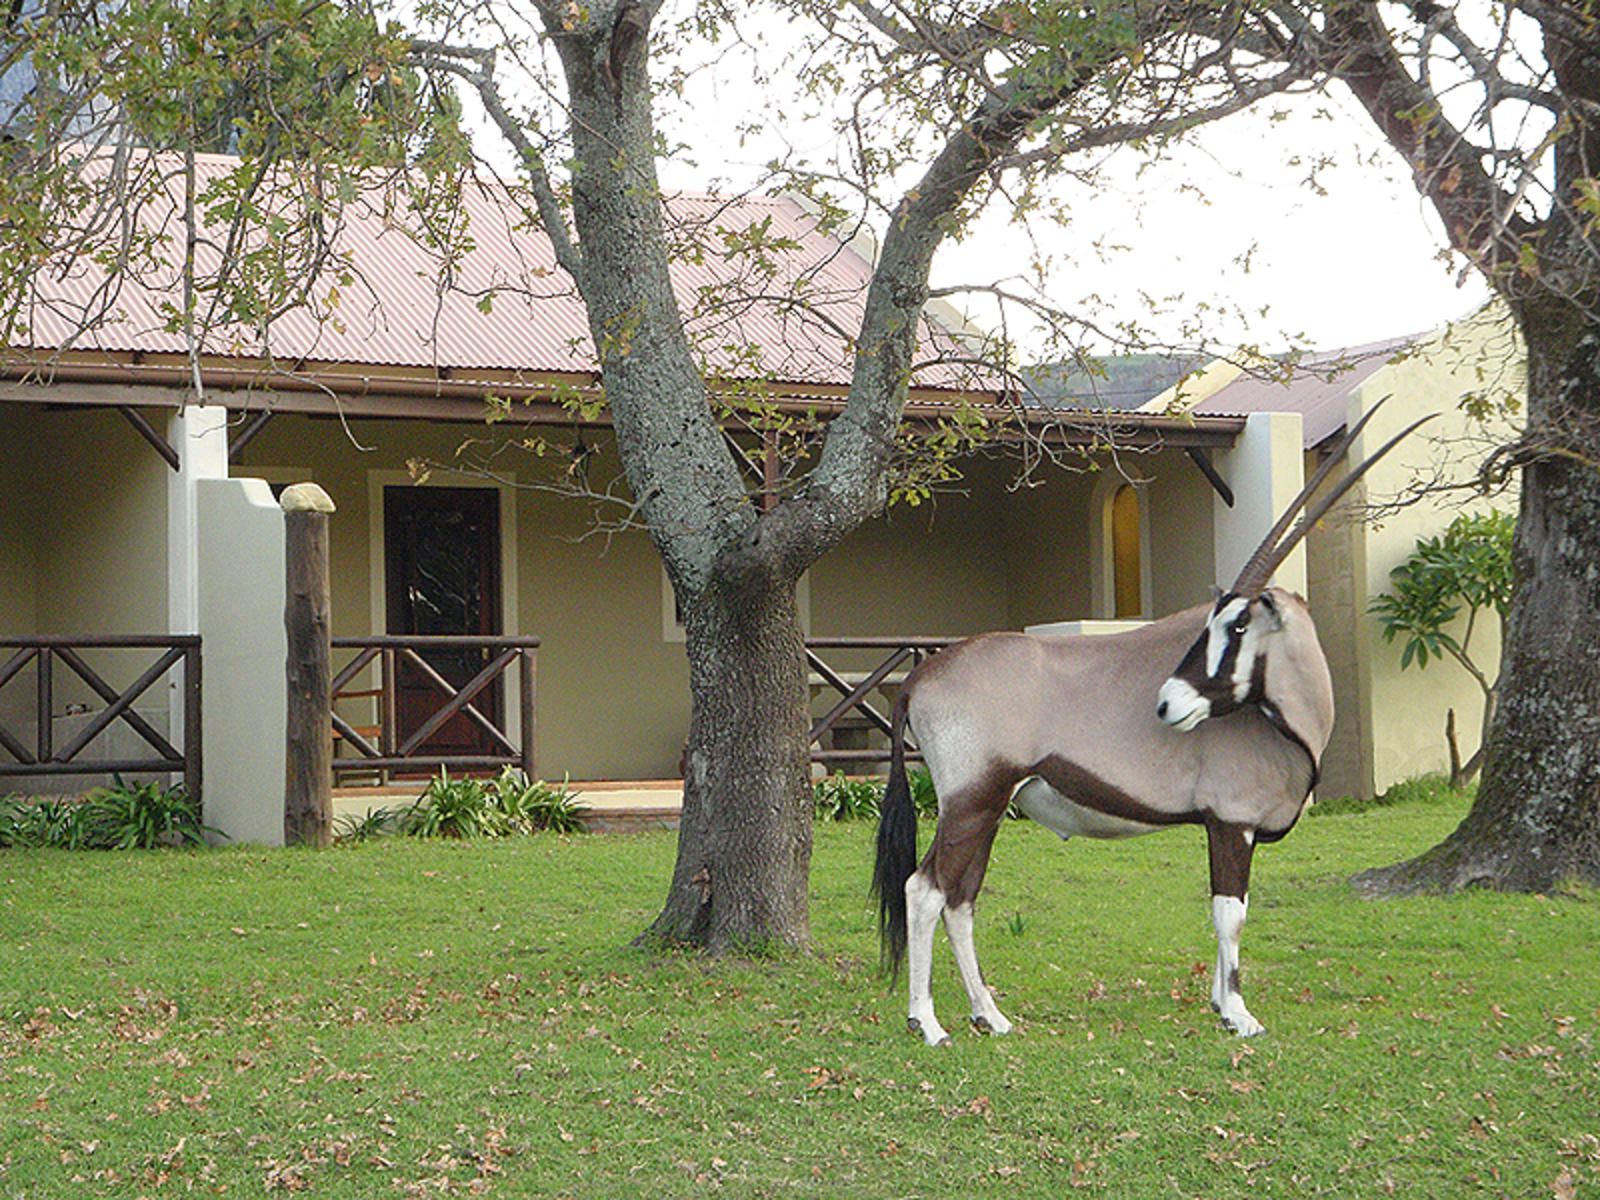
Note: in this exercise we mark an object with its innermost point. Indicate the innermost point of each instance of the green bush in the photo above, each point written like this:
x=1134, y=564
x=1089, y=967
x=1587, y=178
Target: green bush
x=508, y=804
x=141, y=817
x=453, y=808
x=121, y=817
x=530, y=805
x=837, y=797
x=373, y=823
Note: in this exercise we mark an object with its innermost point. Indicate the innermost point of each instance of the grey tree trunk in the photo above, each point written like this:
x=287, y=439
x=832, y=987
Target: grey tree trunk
x=744, y=847
x=1536, y=822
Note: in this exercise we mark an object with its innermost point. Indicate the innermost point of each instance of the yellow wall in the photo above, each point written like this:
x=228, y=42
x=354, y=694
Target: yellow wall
x=939, y=568
x=1181, y=505
x=1406, y=710
x=18, y=537
x=1331, y=550
x=613, y=687
x=1047, y=545
x=102, y=528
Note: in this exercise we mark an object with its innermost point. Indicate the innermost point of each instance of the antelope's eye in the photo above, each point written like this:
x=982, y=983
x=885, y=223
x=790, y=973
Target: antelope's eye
x=1241, y=622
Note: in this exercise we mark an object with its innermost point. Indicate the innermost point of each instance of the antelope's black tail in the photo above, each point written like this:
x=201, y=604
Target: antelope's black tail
x=897, y=848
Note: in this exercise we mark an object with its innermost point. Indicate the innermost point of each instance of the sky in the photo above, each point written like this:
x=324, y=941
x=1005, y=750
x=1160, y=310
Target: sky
x=1229, y=223
x=1227, y=236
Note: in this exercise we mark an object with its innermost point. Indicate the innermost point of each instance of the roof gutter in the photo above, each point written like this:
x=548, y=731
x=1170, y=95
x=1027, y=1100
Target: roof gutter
x=370, y=396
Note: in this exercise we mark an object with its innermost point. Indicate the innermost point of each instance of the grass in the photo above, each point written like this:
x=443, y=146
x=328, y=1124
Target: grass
x=418, y=1018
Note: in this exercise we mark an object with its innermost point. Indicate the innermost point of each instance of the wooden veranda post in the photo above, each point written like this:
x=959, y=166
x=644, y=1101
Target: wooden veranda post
x=308, y=782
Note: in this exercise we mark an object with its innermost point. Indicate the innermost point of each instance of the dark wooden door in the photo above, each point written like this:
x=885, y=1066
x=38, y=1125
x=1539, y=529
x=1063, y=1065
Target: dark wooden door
x=442, y=562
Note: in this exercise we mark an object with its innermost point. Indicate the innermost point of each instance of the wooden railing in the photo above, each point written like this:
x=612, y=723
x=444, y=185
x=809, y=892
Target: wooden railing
x=45, y=758
x=895, y=658
x=398, y=742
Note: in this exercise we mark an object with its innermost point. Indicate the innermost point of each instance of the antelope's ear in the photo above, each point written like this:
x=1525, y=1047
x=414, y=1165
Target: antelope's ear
x=1270, y=607
x=1216, y=593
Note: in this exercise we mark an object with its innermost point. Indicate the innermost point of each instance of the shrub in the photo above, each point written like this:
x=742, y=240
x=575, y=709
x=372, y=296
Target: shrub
x=510, y=803
x=453, y=808
x=374, y=823
x=121, y=817
x=837, y=797
x=529, y=805
x=140, y=817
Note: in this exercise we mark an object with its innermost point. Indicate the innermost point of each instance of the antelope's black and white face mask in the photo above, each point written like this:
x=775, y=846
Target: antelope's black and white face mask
x=1226, y=668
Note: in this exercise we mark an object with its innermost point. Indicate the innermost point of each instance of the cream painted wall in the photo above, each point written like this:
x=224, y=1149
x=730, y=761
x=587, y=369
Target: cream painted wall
x=1181, y=534
x=102, y=540
x=1048, y=548
x=1405, y=711
x=613, y=688
x=18, y=545
x=939, y=568
x=1331, y=591
x=613, y=691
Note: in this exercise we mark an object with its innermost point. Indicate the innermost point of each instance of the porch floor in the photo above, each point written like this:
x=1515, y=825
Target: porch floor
x=615, y=805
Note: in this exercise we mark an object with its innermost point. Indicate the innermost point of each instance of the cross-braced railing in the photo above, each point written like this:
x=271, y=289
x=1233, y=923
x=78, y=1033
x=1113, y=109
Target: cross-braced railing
x=399, y=741
x=45, y=758
x=896, y=656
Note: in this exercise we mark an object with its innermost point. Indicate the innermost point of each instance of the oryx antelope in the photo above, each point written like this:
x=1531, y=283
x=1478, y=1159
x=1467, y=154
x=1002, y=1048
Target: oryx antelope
x=1102, y=737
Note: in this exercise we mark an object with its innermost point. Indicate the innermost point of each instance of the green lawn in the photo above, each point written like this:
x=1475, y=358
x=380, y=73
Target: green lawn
x=426, y=1018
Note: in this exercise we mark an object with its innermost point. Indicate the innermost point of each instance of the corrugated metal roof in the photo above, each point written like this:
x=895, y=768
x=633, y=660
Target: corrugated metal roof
x=1318, y=387
x=786, y=314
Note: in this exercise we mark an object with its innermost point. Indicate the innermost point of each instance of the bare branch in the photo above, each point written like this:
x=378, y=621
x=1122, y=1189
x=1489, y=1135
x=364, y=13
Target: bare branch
x=480, y=76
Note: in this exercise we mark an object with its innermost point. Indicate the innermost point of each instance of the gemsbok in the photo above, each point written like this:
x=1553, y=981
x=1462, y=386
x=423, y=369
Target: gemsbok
x=1101, y=737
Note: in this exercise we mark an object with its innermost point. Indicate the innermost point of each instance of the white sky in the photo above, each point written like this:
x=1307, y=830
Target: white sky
x=1358, y=263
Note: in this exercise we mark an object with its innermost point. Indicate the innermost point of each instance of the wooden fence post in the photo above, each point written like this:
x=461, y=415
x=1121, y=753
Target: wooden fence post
x=308, y=778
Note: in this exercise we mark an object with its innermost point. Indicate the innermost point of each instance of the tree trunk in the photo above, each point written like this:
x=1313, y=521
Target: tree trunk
x=1536, y=822
x=744, y=845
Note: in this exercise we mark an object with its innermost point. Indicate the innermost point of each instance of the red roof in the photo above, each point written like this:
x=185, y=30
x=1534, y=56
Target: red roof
x=1318, y=387
x=786, y=315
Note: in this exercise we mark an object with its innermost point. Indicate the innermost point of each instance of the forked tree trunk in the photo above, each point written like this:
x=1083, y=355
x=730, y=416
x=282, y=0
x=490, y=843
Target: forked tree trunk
x=1536, y=822
x=744, y=845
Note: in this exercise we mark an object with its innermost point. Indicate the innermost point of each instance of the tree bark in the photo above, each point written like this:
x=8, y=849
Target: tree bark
x=744, y=842
x=1535, y=824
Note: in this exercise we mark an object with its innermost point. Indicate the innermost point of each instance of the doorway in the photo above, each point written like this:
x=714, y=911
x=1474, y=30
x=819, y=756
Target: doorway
x=442, y=576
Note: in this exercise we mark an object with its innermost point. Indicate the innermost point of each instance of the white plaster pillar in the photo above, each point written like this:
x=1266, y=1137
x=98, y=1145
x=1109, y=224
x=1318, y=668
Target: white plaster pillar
x=200, y=436
x=240, y=547
x=1266, y=470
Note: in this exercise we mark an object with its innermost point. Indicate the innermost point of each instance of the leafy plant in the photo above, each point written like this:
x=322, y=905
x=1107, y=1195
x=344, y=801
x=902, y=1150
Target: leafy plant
x=121, y=817
x=10, y=816
x=923, y=798
x=529, y=805
x=53, y=821
x=373, y=823
x=837, y=797
x=453, y=808
x=140, y=816
x=1464, y=572
x=510, y=803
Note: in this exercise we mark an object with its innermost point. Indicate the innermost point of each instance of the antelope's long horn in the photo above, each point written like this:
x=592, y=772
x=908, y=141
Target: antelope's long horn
x=1255, y=573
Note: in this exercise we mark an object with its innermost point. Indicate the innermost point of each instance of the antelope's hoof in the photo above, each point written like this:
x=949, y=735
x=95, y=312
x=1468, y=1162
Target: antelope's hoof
x=987, y=1027
x=1244, y=1026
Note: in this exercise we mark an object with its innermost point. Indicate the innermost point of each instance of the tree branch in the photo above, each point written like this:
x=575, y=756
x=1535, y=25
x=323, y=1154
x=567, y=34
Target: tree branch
x=480, y=76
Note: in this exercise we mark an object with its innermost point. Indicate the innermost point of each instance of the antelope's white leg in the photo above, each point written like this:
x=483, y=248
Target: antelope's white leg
x=1227, y=915
x=986, y=1015
x=924, y=903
